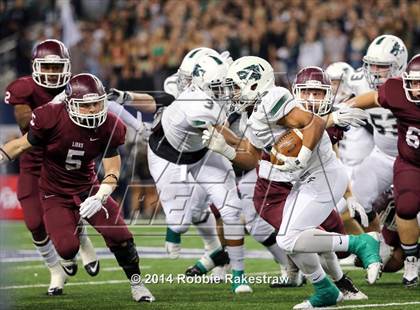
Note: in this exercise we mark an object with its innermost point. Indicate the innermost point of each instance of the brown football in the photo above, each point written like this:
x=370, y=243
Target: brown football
x=288, y=144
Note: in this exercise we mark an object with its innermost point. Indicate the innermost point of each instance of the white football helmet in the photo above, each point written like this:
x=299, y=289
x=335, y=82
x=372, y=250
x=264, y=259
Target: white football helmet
x=187, y=66
x=339, y=73
x=386, y=51
x=247, y=79
x=208, y=74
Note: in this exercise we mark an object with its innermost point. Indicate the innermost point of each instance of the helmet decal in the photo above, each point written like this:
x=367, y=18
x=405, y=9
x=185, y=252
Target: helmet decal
x=251, y=72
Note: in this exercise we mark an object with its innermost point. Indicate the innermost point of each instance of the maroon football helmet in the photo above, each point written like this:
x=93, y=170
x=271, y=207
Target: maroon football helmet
x=51, y=52
x=82, y=92
x=313, y=78
x=411, y=75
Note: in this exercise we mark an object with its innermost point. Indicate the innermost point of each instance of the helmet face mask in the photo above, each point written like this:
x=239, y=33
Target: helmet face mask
x=386, y=57
x=86, y=101
x=411, y=80
x=312, y=89
x=186, y=68
x=51, y=64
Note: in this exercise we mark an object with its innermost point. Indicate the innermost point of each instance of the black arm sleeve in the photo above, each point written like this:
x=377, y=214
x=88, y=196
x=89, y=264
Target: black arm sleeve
x=33, y=140
x=162, y=99
x=111, y=152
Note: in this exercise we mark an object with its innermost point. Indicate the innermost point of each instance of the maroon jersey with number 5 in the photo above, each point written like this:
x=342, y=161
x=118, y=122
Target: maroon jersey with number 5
x=25, y=91
x=391, y=96
x=69, y=150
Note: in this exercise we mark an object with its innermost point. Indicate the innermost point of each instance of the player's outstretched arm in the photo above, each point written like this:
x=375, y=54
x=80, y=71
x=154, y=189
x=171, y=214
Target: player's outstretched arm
x=23, y=114
x=143, y=102
x=365, y=101
x=14, y=148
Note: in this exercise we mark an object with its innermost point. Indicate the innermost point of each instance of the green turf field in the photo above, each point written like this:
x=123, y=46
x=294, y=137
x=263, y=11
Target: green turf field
x=24, y=283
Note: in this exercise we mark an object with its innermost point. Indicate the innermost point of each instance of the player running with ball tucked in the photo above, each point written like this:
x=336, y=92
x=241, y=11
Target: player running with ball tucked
x=309, y=202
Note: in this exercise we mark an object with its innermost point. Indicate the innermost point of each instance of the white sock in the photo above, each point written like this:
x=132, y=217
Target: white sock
x=279, y=255
x=47, y=251
x=319, y=241
x=87, y=251
x=309, y=264
x=236, y=255
x=208, y=232
x=331, y=265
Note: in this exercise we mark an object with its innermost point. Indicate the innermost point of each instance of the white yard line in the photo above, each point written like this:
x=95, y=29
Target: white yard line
x=375, y=305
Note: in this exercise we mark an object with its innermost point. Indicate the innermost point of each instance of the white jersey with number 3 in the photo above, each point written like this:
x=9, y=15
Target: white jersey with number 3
x=185, y=119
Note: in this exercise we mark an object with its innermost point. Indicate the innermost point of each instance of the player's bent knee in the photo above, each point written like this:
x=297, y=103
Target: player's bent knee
x=66, y=247
x=286, y=242
x=407, y=206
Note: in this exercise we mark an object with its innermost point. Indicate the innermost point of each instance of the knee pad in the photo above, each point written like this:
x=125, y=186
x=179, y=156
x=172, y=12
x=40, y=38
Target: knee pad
x=67, y=248
x=407, y=205
x=127, y=254
x=270, y=240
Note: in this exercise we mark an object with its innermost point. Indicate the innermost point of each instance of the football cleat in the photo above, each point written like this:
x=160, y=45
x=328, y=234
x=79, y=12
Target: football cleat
x=293, y=279
x=218, y=273
x=208, y=262
x=58, y=278
x=92, y=268
x=239, y=284
x=326, y=294
x=140, y=293
x=410, y=277
x=69, y=266
x=349, y=290
x=87, y=253
x=173, y=249
x=366, y=247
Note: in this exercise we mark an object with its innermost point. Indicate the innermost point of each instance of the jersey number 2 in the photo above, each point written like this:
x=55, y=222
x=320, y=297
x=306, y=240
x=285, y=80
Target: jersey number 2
x=413, y=137
x=73, y=163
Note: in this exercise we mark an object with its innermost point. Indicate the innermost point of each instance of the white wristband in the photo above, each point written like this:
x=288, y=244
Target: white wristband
x=105, y=190
x=304, y=155
x=229, y=152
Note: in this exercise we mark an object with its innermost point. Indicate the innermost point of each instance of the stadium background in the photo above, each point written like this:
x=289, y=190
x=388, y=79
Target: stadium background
x=135, y=45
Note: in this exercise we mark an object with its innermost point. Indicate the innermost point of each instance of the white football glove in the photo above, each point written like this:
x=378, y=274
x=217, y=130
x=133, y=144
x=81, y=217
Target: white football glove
x=354, y=206
x=292, y=164
x=226, y=57
x=119, y=96
x=215, y=141
x=90, y=207
x=347, y=116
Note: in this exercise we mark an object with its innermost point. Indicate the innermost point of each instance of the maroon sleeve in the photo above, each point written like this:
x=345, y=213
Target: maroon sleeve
x=43, y=120
x=335, y=133
x=382, y=100
x=18, y=92
x=118, y=135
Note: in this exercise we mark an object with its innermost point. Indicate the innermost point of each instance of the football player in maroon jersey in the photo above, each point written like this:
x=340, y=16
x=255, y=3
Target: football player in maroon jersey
x=402, y=96
x=72, y=134
x=51, y=72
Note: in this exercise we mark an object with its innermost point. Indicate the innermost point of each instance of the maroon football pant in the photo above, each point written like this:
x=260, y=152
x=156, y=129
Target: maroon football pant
x=28, y=195
x=406, y=189
x=61, y=216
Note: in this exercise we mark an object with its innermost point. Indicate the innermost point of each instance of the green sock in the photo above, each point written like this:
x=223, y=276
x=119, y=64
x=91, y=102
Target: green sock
x=172, y=236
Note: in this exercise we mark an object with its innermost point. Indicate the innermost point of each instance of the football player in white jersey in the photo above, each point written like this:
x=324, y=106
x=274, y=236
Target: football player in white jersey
x=180, y=164
x=386, y=57
x=314, y=167
x=204, y=221
x=339, y=73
